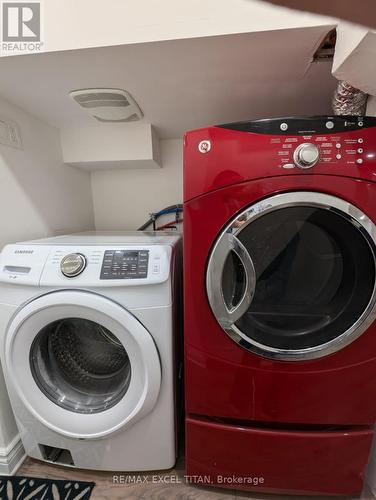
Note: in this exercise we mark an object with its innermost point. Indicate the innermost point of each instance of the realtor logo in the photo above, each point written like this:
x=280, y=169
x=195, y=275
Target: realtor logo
x=21, y=27
x=21, y=22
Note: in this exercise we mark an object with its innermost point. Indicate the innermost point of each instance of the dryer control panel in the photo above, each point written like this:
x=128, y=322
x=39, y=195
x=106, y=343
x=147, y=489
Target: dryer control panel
x=305, y=142
x=219, y=156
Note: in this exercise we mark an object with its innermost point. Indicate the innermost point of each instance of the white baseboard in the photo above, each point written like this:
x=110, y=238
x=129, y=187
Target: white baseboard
x=11, y=457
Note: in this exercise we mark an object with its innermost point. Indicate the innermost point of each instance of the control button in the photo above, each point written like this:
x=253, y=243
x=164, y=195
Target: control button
x=156, y=268
x=283, y=127
x=360, y=141
x=359, y=161
x=73, y=264
x=306, y=155
x=338, y=145
x=360, y=124
x=360, y=150
x=288, y=165
x=329, y=125
x=338, y=157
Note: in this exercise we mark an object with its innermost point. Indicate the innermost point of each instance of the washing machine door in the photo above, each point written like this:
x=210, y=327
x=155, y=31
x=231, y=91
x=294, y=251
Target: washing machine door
x=81, y=364
x=293, y=276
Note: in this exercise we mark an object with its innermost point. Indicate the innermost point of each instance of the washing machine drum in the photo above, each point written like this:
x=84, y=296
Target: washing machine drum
x=80, y=365
x=78, y=354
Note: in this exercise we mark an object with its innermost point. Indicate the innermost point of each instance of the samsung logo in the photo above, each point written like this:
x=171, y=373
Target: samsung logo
x=24, y=251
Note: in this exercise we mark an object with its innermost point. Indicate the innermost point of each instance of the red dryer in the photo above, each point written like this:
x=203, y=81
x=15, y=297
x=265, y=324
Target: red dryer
x=280, y=338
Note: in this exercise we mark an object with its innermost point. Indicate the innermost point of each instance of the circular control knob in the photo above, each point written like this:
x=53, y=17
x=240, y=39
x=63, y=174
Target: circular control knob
x=73, y=264
x=306, y=155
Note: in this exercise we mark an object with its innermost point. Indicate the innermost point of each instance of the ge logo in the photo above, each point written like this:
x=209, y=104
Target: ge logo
x=204, y=146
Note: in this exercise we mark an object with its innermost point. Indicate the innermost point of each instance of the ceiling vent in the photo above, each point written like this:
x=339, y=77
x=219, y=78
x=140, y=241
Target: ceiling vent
x=108, y=105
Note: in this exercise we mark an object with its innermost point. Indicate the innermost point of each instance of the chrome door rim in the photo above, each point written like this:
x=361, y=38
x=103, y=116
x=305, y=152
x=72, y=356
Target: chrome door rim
x=293, y=199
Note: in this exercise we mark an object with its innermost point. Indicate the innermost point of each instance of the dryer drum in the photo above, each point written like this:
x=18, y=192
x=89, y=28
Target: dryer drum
x=295, y=280
x=80, y=365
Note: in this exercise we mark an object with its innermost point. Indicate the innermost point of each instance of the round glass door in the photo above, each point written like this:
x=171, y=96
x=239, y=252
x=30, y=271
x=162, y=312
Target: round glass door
x=80, y=365
x=293, y=277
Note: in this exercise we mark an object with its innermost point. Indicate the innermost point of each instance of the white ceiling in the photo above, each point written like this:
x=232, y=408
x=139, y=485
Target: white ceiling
x=79, y=24
x=355, y=59
x=180, y=84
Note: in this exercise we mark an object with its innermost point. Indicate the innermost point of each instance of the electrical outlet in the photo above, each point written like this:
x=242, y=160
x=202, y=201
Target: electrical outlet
x=14, y=135
x=10, y=133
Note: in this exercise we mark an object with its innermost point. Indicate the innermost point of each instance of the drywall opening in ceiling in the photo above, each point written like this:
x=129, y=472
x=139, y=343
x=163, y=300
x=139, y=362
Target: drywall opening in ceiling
x=325, y=51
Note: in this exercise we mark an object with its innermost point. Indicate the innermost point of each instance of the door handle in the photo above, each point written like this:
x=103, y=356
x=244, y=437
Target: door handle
x=225, y=315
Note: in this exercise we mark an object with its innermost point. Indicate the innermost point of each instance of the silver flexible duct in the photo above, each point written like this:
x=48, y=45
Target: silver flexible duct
x=348, y=100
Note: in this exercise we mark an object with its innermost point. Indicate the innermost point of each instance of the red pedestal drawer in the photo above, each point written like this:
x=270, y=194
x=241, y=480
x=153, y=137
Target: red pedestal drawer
x=322, y=462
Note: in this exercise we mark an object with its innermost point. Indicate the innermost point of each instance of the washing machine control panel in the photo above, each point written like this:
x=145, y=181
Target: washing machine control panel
x=116, y=265
x=85, y=266
x=125, y=264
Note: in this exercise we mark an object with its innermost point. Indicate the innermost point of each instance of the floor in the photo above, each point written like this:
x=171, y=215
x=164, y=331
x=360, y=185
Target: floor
x=168, y=485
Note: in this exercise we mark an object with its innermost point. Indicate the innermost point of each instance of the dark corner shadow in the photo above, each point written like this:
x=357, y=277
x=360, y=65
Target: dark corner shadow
x=363, y=12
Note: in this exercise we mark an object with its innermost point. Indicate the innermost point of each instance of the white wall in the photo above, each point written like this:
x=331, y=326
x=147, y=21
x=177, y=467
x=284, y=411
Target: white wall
x=123, y=199
x=39, y=196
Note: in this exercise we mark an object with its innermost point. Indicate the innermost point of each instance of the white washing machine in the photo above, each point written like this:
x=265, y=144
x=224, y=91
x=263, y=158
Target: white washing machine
x=89, y=330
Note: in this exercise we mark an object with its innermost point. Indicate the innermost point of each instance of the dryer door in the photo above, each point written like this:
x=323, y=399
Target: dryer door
x=81, y=364
x=293, y=276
